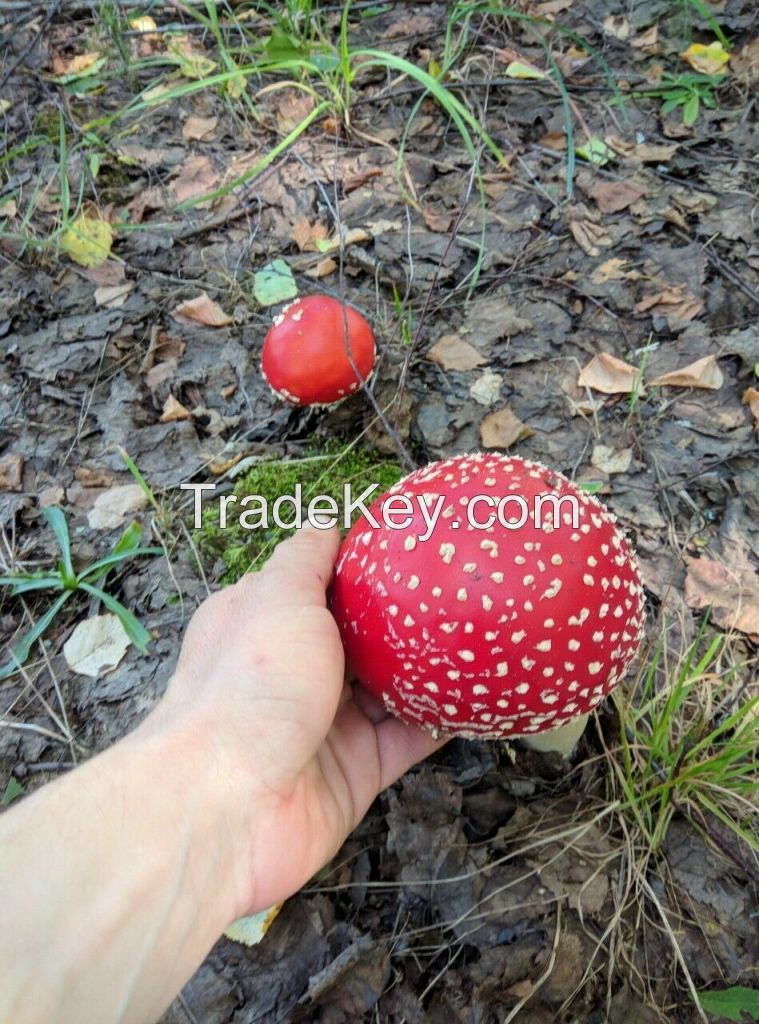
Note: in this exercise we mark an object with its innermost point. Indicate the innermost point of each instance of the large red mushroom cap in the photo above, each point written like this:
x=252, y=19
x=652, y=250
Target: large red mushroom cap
x=305, y=353
x=491, y=632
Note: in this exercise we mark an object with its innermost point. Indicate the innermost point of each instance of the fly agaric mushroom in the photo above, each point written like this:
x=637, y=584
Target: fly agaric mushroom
x=506, y=631
x=305, y=353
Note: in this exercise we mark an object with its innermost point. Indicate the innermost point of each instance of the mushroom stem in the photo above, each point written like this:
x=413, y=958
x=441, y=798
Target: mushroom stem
x=561, y=741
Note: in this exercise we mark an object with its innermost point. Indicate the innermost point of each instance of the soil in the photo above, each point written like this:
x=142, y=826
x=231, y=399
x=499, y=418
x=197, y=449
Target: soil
x=531, y=310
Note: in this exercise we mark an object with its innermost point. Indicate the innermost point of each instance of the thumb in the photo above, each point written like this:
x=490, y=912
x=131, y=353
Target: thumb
x=300, y=570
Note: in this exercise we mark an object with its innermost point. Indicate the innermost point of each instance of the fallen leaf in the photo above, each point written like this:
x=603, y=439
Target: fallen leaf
x=202, y=310
x=353, y=181
x=162, y=348
x=613, y=196
x=87, y=240
x=487, y=388
x=274, y=284
x=453, y=353
x=196, y=177
x=251, y=929
x=675, y=302
x=731, y=592
x=613, y=270
x=198, y=127
x=142, y=23
x=704, y=373
x=707, y=60
x=174, y=410
x=76, y=67
x=113, y=295
x=646, y=40
x=502, y=429
x=595, y=151
x=293, y=108
x=610, y=376
x=306, y=235
x=11, y=472
x=96, y=646
x=522, y=69
x=745, y=62
x=114, y=506
x=617, y=26
x=643, y=152
x=751, y=399
x=323, y=268
x=191, y=62
x=589, y=236
x=549, y=8
x=609, y=461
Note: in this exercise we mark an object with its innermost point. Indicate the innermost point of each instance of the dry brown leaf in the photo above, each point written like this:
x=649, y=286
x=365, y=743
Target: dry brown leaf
x=202, y=310
x=613, y=196
x=97, y=645
x=198, y=127
x=556, y=141
x=110, y=272
x=675, y=302
x=453, y=353
x=610, y=376
x=732, y=593
x=306, y=235
x=293, y=108
x=353, y=181
x=745, y=62
x=75, y=65
x=502, y=429
x=174, y=410
x=589, y=236
x=196, y=177
x=609, y=461
x=113, y=507
x=323, y=268
x=613, y=270
x=440, y=222
x=704, y=373
x=549, y=8
x=113, y=295
x=617, y=26
x=751, y=399
x=11, y=472
x=646, y=40
x=642, y=152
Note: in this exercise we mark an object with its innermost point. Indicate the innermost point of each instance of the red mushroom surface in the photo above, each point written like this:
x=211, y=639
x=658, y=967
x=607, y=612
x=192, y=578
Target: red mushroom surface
x=496, y=632
x=305, y=359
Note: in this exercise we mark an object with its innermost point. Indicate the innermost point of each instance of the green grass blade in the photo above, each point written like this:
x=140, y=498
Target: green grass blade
x=21, y=652
x=57, y=522
x=132, y=626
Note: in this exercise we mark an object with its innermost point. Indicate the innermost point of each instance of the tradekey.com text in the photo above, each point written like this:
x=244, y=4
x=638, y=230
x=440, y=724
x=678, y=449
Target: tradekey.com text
x=398, y=511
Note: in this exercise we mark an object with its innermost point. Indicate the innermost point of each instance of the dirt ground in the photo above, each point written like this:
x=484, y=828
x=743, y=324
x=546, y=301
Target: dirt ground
x=532, y=308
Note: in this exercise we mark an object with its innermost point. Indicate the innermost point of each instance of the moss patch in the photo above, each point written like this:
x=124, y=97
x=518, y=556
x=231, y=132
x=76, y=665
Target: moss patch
x=323, y=471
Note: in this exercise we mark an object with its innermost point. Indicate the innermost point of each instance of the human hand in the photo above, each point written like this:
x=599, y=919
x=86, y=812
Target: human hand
x=261, y=675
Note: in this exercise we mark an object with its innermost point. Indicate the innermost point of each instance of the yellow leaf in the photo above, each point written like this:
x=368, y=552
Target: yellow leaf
x=518, y=69
x=708, y=60
x=87, y=240
x=142, y=23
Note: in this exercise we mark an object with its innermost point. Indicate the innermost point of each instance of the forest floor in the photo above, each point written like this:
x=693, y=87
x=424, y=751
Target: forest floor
x=548, y=213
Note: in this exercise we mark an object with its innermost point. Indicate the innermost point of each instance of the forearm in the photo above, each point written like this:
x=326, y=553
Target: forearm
x=118, y=879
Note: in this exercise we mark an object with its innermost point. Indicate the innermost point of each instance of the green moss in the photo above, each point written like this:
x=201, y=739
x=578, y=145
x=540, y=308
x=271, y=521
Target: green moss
x=323, y=471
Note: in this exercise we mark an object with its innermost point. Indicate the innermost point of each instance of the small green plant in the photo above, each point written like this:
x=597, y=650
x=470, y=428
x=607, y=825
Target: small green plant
x=322, y=471
x=731, y=1003
x=65, y=581
x=688, y=90
x=690, y=744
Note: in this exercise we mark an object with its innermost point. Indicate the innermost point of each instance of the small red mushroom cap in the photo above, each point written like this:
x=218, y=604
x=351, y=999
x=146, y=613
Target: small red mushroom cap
x=491, y=632
x=305, y=358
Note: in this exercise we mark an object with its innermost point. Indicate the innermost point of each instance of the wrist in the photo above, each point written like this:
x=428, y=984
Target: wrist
x=212, y=791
